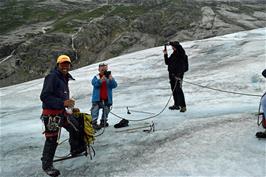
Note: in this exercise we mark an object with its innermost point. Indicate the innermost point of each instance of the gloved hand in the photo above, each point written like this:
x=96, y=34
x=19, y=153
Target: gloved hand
x=177, y=78
x=69, y=103
x=76, y=110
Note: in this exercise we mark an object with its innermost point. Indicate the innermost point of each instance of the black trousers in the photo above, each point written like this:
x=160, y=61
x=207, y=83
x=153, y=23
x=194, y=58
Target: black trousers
x=176, y=87
x=52, y=123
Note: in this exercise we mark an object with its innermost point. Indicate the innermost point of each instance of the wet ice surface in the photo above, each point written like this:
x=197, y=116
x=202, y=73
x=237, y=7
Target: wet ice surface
x=215, y=137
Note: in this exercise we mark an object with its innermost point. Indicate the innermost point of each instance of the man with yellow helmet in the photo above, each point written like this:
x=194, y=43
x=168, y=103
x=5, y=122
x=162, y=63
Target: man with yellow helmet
x=55, y=99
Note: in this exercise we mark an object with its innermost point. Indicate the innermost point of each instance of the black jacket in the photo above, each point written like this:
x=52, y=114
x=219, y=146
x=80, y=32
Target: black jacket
x=175, y=64
x=55, y=90
x=264, y=73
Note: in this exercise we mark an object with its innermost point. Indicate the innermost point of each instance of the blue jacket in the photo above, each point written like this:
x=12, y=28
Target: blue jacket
x=55, y=90
x=97, y=82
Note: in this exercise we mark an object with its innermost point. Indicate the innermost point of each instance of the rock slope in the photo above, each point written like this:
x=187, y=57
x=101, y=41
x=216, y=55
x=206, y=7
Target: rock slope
x=34, y=33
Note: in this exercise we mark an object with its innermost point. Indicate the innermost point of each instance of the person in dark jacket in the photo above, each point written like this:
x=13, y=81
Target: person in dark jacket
x=263, y=114
x=176, y=68
x=263, y=98
x=102, y=96
x=56, y=113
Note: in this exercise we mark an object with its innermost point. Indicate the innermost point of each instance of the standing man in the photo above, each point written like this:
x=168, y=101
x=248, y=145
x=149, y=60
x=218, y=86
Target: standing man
x=263, y=114
x=103, y=84
x=177, y=66
x=55, y=100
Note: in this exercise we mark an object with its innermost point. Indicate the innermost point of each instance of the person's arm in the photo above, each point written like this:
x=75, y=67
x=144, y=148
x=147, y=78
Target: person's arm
x=96, y=81
x=111, y=82
x=166, y=59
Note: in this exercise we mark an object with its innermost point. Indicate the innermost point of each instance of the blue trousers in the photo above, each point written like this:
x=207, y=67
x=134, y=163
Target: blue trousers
x=96, y=106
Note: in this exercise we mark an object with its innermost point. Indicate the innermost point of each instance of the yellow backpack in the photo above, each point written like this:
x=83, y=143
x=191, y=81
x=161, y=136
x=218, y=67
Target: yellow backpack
x=89, y=136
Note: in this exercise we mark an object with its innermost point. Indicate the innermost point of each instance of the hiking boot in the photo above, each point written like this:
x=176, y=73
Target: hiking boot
x=183, y=109
x=51, y=171
x=122, y=123
x=48, y=155
x=78, y=151
x=261, y=134
x=96, y=127
x=174, y=107
x=104, y=123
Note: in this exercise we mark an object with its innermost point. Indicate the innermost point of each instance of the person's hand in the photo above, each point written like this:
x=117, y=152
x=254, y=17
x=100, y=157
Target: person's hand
x=103, y=78
x=164, y=51
x=76, y=110
x=177, y=78
x=110, y=77
x=69, y=103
